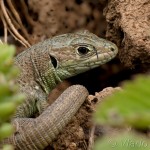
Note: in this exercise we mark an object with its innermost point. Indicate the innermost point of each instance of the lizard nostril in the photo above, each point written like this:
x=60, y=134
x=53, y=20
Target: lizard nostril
x=112, y=49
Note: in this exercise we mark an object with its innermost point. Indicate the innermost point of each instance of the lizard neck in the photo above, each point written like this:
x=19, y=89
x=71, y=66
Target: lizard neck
x=50, y=79
x=63, y=74
x=44, y=72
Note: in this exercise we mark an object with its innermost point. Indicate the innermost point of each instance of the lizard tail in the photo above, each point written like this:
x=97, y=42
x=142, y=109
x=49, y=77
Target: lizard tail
x=38, y=133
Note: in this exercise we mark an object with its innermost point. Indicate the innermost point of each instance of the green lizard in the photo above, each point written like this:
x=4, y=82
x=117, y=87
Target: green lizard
x=42, y=67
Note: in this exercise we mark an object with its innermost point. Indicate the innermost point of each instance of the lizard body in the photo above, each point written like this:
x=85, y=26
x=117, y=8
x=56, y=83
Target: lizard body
x=42, y=67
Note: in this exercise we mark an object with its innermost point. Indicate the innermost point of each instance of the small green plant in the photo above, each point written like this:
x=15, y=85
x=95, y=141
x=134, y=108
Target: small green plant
x=128, y=107
x=123, y=141
x=131, y=106
x=10, y=98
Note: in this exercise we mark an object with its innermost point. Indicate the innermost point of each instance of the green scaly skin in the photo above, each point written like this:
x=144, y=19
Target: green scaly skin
x=42, y=67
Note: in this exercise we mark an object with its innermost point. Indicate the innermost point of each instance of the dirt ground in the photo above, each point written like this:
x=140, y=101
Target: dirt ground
x=124, y=22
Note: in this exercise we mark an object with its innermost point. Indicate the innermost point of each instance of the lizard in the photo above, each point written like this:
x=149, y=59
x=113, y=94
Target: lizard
x=42, y=67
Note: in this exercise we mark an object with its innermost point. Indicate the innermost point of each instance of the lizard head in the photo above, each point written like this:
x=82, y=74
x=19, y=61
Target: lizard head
x=78, y=52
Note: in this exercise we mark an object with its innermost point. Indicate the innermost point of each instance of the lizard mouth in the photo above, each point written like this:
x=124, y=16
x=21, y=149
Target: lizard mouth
x=101, y=58
x=97, y=60
x=92, y=62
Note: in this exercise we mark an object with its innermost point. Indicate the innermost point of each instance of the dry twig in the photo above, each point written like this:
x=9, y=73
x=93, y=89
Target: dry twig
x=17, y=17
x=5, y=27
x=91, y=138
x=26, y=14
x=1, y=42
x=11, y=27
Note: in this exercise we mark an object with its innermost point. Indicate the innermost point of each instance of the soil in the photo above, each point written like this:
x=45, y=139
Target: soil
x=129, y=26
x=124, y=22
x=77, y=134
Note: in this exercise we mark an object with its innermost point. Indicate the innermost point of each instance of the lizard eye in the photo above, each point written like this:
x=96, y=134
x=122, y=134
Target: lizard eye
x=53, y=61
x=82, y=50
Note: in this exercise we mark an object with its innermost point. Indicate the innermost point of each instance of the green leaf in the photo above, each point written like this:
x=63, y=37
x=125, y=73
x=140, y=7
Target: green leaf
x=124, y=141
x=6, y=57
x=6, y=130
x=10, y=97
x=131, y=106
x=8, y=147
x=7, y=109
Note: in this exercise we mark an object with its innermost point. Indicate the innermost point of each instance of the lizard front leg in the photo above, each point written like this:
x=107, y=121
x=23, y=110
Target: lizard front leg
x=35, y=102
x=40, y=132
